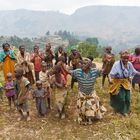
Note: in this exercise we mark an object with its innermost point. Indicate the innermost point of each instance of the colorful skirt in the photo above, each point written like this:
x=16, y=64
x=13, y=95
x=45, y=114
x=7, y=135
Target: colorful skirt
x=121, y=101
x=89, y=106
x=136, y=78
x=60, y=97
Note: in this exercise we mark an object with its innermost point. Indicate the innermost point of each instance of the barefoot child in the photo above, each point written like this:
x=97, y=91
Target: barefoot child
x=22, y=93
x=10, y=89
x=40, y=94
x=60, y=91
x=44, y=78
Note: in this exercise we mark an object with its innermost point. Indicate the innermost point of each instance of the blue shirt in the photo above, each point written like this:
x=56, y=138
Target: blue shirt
x=86, y=81
x=3, y=55
x=119, y=71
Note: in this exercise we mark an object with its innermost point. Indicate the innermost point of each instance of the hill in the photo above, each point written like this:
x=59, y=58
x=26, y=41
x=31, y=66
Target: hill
x=118, y=26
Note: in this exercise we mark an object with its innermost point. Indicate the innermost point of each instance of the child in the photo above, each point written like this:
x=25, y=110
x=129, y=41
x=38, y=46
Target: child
x=40, y=94
x=9, y=89
x=22, y=92
x=60, y=91
x=1, y=92
x=44, y=78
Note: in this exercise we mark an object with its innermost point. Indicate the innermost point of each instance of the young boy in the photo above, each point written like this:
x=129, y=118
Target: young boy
x=44, y=78
x=22, y=92
x=40, y=94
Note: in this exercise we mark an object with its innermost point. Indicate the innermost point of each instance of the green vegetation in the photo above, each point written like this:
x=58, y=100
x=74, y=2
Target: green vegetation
x=112, y=127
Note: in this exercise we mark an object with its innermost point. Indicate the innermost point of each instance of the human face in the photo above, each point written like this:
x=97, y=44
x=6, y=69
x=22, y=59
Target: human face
x=9, y=78
x=17, y=74
x=86, y=66
x=36, y=49
x=47, y=47
x=44, y=68
x=60, y=49
x=6, y=47
x=39, y=86
x=22, y=50
x=125, y=59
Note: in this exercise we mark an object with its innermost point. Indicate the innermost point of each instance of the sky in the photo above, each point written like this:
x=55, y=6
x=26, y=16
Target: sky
x=65, y=6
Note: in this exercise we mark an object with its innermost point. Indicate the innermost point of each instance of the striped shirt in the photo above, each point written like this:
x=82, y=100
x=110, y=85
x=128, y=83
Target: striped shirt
x=86, y=81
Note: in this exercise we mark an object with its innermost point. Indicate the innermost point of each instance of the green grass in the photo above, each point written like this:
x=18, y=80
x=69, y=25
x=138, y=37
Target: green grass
x=112, y=127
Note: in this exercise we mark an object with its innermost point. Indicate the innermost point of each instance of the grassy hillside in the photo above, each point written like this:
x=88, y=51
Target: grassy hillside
x=112, y=127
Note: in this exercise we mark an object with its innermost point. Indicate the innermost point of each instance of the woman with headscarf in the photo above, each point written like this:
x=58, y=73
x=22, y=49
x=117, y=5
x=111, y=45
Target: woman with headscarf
x=88, y=103
x=120, y=85
x=7, y=57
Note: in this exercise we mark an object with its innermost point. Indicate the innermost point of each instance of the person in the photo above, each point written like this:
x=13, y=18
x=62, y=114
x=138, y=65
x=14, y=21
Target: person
x=36, y=58
x=45, y=79
x=22, y=86
x=108, y=61
x=10, y=90
x=88, y=103
x=23, y=60
x=1, y=91
x=49, y=56
x=74, y=59
x=135, y=60
x=7, y=57
x=120, y=86
x=60, y=53
x=60, y=90
x=93, y=65
x=62, y=64
x=40, y=95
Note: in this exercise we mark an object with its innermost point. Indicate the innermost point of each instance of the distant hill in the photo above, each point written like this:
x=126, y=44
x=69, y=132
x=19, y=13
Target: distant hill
x=117, y=26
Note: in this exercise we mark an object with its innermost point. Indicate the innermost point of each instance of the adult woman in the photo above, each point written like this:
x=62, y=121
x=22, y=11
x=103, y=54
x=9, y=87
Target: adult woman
x=8, y=58
x=120, y=86
x=88, y=103
x=135, y=60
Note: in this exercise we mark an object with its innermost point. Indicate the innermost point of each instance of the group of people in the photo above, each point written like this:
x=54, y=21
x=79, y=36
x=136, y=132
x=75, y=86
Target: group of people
x=24, y=70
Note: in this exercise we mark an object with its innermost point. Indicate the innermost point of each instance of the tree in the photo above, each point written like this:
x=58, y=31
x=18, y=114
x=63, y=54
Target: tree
x=87, y=49
x=93, y=41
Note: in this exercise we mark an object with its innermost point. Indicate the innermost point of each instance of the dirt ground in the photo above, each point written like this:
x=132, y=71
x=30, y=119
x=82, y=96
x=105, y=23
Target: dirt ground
x=112, y=127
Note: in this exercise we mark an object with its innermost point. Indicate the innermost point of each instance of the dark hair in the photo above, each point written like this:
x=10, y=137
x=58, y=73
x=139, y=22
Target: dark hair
x=21, y=46
x=36, y=46
x=91, y=58
x=137, y=51
x=5, y=44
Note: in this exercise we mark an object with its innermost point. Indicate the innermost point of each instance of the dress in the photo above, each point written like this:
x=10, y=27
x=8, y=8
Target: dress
x=120, y=89
x=88, y=102
x=8, y=62
x=11, y=92
x=40, y=101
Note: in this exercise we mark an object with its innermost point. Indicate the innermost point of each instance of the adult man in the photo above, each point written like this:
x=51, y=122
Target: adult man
x=23, y=60
x=49, y=56
x=108, y=61
x=60, y=53
x=36, y=59
x=74, y=59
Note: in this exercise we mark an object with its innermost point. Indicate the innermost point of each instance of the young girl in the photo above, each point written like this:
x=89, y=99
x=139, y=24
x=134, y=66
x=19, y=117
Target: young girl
x=40, y=94
x=44, y=78
x=10, y=90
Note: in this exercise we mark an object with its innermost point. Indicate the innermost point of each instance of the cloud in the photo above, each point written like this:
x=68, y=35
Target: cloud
x=66, y=6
